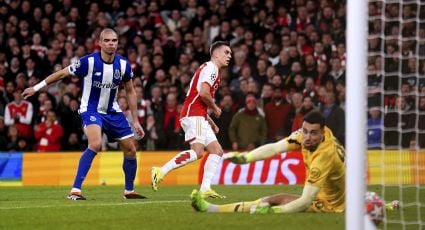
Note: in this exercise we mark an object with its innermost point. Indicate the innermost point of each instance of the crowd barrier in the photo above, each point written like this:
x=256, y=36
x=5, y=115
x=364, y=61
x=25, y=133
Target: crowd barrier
x=17, y=168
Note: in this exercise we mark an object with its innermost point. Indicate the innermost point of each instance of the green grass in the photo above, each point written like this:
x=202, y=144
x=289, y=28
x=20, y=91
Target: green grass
x=169, y=208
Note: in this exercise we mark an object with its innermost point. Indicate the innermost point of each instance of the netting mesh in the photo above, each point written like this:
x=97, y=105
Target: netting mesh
x=396, y=108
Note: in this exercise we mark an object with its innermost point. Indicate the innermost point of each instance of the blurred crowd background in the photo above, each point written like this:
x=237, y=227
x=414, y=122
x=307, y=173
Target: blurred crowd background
x=289, y=57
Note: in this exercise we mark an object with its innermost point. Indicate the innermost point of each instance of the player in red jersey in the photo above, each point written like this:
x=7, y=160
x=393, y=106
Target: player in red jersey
x=198, y=127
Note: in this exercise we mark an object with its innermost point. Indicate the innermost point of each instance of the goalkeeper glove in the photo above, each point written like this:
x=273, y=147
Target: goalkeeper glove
x=236, y=157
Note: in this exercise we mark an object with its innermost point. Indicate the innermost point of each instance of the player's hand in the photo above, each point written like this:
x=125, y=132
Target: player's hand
x=28, y=92
x=215, y=129
x=138, y=129
x=235, y=157
x=260, y=210
x=217, y=111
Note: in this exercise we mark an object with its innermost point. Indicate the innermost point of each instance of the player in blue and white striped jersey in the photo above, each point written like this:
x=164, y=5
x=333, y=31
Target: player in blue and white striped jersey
x=101, y=74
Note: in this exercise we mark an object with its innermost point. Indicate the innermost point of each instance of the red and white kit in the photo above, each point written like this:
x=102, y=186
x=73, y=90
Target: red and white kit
x=194, y=111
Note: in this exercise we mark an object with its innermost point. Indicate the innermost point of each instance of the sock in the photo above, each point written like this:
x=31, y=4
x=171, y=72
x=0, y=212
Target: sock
x=209, y=171
x=83, y=168
x=244, y=206
x=130, y=167
x=181, y=159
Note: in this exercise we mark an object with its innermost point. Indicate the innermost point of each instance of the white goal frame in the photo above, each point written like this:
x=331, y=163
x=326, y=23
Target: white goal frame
x=356, y=113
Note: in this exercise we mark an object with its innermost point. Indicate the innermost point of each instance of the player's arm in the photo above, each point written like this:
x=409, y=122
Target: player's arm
x=212, y=124
x=132, y=102
x=208, y=100
x=301, y=204
x=28, y=92
x=260, y=153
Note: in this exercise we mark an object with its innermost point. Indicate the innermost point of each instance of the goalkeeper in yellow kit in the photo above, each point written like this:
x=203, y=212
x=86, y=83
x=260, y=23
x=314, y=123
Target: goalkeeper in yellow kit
x=324, y=189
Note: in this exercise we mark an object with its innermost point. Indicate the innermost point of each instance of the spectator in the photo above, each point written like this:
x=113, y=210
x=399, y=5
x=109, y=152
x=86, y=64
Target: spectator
x=3, y=135
x=266, y=95
x=13, y=138
x=170, y=122
x=19, y=112
x=73, y=143
x=48, y=134
x=399, y=123
x=248, y=129
x=154, y=134
x=374, y=131
x=307, y=106
x=277, y=116
x=228, y=110
x=334, y=116
x=421, y=122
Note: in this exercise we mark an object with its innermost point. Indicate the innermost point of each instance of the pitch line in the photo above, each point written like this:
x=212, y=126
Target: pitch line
x=95, y=204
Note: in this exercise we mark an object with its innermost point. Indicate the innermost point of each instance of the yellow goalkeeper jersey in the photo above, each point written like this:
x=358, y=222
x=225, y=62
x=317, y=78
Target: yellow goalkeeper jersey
x=325, y=168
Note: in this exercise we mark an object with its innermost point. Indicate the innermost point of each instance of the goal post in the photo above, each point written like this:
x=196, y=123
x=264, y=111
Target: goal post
x=356, y=107
x=386, y=94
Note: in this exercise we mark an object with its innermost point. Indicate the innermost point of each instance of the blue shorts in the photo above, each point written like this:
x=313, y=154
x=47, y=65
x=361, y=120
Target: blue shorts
x=114, y=125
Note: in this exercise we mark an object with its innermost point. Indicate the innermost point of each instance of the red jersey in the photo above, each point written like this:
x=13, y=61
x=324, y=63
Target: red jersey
x=48, y=138
x=24, y=112
x=193, y=104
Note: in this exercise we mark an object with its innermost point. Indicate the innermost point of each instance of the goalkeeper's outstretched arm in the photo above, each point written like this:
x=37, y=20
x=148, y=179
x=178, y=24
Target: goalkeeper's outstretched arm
x=260, y=153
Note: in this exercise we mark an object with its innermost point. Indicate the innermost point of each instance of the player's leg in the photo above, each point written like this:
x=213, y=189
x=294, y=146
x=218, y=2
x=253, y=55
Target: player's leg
x=181, y=159
x=116, y=127
x=201, y=205
x=192, y=128
x=273, y=203
x=210, y=168
x=261, y=205
x=94, y=137
x=129, y=167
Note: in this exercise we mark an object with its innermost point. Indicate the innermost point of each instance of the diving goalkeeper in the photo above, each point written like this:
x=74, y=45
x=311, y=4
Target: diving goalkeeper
x=324, y=189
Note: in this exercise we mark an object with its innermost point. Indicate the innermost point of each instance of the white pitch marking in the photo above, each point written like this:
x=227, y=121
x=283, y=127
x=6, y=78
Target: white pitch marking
x=94, y=204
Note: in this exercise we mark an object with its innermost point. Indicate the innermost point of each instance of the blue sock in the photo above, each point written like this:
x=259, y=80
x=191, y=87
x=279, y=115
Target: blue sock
x=130, y=167
x=84, y=167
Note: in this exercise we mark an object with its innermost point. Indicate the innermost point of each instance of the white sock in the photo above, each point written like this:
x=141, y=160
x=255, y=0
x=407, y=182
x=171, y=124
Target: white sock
x=75, y=190
x=181, y=159
x=127, y=191
x=209, y=171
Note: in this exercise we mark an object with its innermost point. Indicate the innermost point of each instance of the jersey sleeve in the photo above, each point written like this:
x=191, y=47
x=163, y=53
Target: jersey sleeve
x=294, y=140
x=79, y=67
x=208, y=75
x=128, y=75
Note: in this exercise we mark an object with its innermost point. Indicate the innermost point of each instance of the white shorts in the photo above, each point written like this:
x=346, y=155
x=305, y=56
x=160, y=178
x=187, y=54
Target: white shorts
x=197, y=130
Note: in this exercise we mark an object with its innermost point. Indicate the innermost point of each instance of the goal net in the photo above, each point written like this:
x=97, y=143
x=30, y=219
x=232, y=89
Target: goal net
x=396, y=108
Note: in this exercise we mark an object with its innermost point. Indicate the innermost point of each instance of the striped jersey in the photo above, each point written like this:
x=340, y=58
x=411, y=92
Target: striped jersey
x=100, y=81
x=193, y=104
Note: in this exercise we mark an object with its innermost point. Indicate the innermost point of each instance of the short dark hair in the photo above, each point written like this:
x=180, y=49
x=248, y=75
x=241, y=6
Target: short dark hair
x=217, y=44
x=315, y=117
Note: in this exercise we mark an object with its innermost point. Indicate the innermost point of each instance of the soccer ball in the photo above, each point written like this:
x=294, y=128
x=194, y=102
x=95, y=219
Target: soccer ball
x=375, y=207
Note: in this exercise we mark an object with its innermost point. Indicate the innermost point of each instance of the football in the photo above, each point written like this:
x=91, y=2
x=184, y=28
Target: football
x=375, y=207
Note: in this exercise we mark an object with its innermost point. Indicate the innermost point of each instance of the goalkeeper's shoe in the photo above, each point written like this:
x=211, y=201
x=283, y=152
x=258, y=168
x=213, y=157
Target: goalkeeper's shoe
x=235, y=157
x=211, y=194
x=75, y=196
x=156, y=178
x=394, y=205
x=198, y=203
x=133, y=195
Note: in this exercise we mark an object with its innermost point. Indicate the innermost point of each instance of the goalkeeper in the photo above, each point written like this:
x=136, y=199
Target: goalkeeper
x=324, y=189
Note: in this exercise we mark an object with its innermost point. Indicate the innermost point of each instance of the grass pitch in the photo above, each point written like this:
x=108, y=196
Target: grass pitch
x=169, y=208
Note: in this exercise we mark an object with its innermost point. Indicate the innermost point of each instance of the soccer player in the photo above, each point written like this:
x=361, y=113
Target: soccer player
x=324, y=189
x=102, y=73
x=197, y=124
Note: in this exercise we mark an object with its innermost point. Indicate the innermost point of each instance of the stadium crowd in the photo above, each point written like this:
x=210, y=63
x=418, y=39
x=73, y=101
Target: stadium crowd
x=288, y=58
